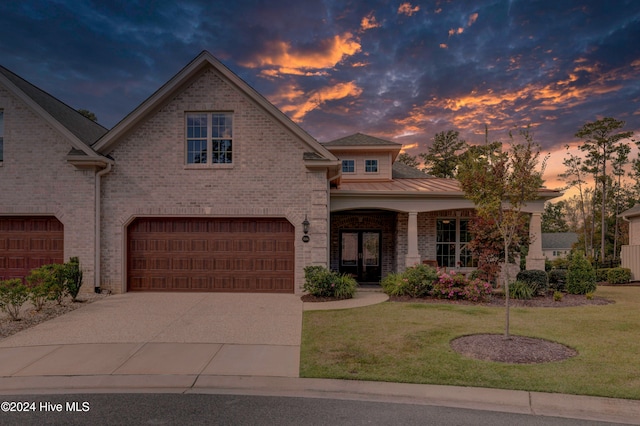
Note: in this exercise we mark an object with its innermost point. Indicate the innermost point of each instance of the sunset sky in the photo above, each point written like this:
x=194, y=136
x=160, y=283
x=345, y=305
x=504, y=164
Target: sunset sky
x=393, y=69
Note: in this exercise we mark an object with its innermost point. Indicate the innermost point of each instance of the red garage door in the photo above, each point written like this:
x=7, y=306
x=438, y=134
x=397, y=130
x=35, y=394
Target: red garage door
x=29, y=242
x=204, y=254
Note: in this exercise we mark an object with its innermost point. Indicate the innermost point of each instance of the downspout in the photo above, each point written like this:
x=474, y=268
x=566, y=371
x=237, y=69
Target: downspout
x=98, y=227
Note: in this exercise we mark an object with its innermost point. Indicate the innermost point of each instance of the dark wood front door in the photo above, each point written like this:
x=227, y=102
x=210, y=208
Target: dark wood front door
x=360, y=254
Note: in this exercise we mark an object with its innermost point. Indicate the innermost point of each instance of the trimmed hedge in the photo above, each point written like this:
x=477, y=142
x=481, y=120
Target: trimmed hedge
x=619, y=275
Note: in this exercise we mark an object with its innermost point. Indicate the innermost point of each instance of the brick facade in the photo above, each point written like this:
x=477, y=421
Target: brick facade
x=267, y=178
x=35, y=180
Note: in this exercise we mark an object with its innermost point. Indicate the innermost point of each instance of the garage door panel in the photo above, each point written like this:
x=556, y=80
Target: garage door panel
x=206, y=254
x=28, y=242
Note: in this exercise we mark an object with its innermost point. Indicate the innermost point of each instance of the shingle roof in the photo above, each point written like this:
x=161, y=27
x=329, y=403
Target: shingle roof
x=360, y=139
x=633, y=211
x=403, y=171
x=558, y=240
x=84, y=129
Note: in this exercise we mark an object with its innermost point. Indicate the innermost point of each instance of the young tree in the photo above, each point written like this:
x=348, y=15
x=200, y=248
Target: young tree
x=601, y=141
x=409, y=160
x=500, y=183
x=442, y=158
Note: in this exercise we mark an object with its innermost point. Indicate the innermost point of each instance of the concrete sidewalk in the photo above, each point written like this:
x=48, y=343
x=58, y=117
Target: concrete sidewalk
x=226, y=343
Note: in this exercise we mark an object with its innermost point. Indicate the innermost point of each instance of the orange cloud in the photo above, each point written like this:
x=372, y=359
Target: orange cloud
x=407, y=9
x=281, y=56
x=297, y=104
x=369, y=22
x=454, y=31
x=472, y=19
x=501, y=108
x=443, y=46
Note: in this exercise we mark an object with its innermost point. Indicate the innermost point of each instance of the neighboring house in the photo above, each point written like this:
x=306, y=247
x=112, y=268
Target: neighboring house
x=630, y=253
x=558, y=244
x=206, y=186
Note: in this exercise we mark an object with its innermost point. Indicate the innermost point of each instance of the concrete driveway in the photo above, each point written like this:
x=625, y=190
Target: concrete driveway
x=164, y=333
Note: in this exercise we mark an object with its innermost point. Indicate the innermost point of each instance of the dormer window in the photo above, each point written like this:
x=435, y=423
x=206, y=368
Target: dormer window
x=348, y=166
x=371, y=166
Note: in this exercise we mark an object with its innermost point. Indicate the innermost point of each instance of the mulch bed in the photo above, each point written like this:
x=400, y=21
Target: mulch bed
x=515, y=350
x=568, y=300
x=29, y=317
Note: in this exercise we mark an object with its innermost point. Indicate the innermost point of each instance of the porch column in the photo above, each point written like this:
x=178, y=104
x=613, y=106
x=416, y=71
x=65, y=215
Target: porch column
x=413, y=256
x=535, y=258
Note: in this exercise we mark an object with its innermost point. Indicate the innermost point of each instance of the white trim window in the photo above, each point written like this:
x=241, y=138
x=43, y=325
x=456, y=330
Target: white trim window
x=1, y=136
x=209, y=138
x=371, y=166
x=452, y=238
x=348, y=166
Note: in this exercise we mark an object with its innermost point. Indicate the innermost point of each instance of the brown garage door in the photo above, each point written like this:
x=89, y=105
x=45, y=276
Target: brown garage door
x=204, y=254
x=29, y=242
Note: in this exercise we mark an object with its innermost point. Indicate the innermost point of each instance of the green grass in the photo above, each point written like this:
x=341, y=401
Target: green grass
x=404, y=342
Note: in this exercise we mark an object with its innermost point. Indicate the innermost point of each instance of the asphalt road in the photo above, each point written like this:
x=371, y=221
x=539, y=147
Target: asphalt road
x=195, y=409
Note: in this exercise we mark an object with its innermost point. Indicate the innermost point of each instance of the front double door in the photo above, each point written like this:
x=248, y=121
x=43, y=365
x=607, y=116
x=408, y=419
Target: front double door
x=360, y=254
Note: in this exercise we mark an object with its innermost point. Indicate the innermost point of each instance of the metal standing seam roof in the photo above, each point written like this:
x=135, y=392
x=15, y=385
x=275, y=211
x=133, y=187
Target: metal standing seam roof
x=408, y=186
x=87, y=131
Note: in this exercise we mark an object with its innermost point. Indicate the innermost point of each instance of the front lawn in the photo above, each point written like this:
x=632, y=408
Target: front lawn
x=409, y=342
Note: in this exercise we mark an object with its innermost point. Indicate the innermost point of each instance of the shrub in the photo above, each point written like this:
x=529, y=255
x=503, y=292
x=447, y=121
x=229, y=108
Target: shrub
x=521, y=290
x=13, y=294
x=73, y=277
x=321, y=282
x=581, y=278
x=557, y=279
x=39, y=283
x=557, y=296
x=537, y=280
x=419, y=280
x=619, y=275
x=57, y=287
x=458, y=287
x=477, y=290
x=394, y=284
x=449, y=287
x=601, y=274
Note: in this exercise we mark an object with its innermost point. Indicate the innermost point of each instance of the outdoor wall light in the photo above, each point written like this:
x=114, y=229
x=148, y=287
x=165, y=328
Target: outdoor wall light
x=305, y=229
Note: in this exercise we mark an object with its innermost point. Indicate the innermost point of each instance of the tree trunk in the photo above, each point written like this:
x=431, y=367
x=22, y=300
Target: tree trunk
x=507, y=336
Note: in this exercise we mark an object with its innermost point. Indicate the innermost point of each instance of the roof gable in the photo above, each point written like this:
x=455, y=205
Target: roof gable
x=362, y=140
x=320, y=154
x=80, y=131
x=558, y=240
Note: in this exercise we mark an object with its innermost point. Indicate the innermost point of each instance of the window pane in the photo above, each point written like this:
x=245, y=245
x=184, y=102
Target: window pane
x=196, y=151
x=371, y=166
x=370, y=248
x=348, y=166
x=221, y=125
x=196, y=126
x=349, y=249
x=222, y=151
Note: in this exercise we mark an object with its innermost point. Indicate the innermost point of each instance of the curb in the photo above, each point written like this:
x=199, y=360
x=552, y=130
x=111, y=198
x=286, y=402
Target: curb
x=520, y=402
